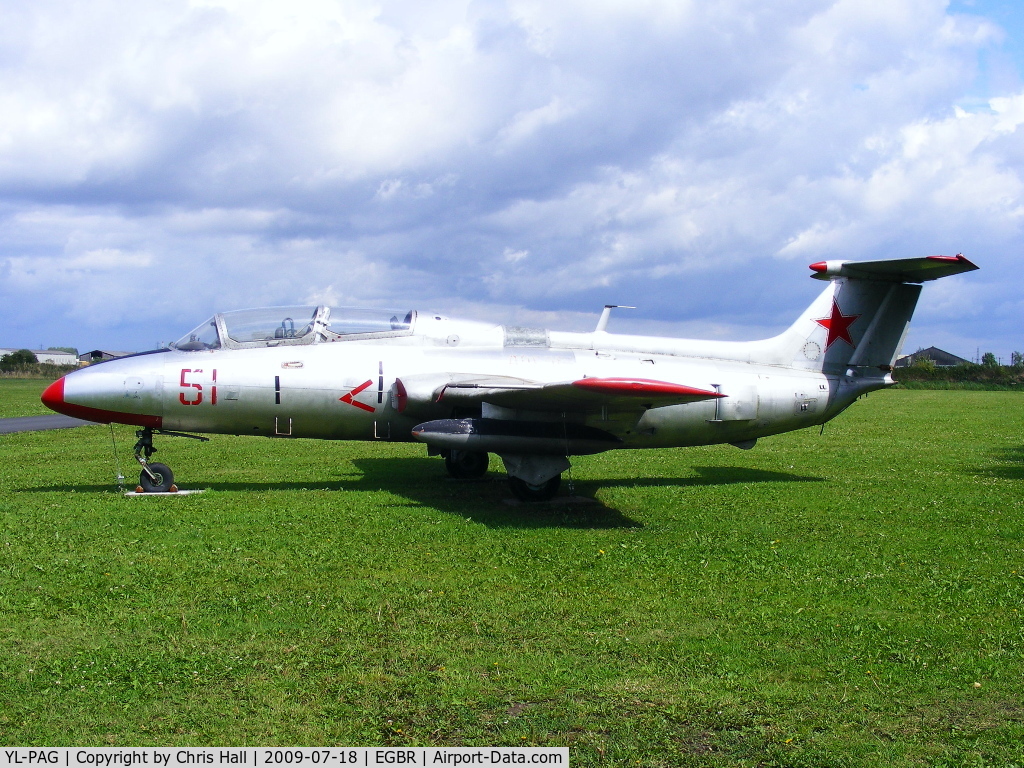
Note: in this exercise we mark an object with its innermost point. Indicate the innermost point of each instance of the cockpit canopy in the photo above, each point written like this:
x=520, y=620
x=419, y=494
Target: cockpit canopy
x=277, y=326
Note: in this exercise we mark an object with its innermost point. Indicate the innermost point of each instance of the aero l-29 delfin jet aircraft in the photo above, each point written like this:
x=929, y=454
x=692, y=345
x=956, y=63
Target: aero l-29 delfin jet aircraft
x=532, y=396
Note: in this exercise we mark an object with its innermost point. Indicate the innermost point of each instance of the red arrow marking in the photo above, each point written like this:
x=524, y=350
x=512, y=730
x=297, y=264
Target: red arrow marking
x=349, y=397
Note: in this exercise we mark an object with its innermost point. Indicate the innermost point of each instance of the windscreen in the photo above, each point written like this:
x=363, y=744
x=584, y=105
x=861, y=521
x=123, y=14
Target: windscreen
x=204, y=336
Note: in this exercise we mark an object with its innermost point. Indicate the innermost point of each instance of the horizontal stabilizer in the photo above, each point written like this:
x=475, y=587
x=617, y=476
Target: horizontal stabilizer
x=916, y=270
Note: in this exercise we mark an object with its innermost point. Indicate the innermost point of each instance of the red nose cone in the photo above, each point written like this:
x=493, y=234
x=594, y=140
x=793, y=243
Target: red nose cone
x=53, y=397
x=819, y=266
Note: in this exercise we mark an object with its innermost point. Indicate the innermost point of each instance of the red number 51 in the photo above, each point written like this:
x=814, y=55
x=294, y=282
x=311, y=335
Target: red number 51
x=186, y=386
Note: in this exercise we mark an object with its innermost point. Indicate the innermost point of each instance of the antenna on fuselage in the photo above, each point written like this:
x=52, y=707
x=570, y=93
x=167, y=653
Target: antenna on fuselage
x=606, y=313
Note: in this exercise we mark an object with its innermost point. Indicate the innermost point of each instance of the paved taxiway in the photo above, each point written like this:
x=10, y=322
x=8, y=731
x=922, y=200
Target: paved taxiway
x=39, y=423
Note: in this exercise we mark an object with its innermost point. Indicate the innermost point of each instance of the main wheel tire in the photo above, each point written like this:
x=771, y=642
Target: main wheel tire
x=467, y=465
x=525, y=491
x=161, y=483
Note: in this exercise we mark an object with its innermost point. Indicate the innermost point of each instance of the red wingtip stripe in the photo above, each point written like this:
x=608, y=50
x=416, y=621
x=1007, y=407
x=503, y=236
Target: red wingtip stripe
x=642, y=388
x=965, y=264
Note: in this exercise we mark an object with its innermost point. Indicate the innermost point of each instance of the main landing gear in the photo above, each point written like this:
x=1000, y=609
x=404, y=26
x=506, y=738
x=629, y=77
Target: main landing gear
x=531, y=479
x=156, y=477
x=525, y=491
x=466, y=465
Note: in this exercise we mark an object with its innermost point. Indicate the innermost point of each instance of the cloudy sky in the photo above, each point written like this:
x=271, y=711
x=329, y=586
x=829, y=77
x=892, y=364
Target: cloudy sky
x=518, y=160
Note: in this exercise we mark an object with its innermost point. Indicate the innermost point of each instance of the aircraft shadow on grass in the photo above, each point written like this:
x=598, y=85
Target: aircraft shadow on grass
x=1011, y=464
x=423, y=482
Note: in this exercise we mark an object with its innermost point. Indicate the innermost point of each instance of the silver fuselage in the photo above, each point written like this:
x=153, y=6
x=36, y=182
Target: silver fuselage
x=345, y=390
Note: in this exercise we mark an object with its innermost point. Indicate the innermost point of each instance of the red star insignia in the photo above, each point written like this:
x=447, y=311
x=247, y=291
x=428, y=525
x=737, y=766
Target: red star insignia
x=838, y=325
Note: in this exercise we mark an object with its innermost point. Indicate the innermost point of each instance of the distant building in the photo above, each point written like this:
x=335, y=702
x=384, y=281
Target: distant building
x=940, y=357
x=98, y=355
x=48, y=356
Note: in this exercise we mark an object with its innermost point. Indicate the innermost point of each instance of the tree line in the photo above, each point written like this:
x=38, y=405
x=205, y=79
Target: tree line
x=988, y=374
x=23, y=363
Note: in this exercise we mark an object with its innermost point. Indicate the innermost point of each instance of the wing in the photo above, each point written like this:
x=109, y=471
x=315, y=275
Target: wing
x=581, y=395
x=540, y=435
x=577, y=396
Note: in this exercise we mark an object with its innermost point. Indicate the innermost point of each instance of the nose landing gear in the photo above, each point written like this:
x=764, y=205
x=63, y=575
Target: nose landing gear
x=155, y=477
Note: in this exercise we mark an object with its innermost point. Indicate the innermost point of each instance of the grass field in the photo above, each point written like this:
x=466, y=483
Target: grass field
x=849, y=599
x=20, y=397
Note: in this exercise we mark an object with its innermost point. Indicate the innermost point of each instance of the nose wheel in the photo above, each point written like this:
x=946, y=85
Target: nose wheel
x=155, y=477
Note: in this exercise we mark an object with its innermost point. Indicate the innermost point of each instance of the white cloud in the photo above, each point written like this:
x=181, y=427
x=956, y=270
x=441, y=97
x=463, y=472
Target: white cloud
x=512, y=256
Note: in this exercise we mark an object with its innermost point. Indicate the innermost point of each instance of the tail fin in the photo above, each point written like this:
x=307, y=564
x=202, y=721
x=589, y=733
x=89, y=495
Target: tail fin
x=862, y=318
